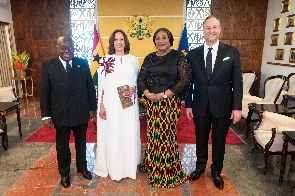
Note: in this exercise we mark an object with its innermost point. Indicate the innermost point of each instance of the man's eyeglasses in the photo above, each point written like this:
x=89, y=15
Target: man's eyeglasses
x=66, y=48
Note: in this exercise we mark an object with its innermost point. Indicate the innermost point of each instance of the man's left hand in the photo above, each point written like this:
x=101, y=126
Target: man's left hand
x=236, y=116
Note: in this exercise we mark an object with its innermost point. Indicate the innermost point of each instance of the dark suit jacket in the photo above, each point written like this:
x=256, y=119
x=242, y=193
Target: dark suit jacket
x=67, y=101
x=224, y=90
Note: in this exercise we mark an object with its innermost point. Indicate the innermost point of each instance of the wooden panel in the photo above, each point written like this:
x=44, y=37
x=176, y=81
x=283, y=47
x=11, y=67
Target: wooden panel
x=108, y=25
x=123, y=8
x=243, y=25
x=37, y=25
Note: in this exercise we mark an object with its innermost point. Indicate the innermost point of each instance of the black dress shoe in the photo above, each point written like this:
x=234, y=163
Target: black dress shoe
x=218, y=182
x=65, y=181
x=195, y=175
x=86, y=174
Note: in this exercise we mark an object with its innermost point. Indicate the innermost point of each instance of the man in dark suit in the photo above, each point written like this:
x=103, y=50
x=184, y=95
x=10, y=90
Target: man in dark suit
x=215, y=97
x=68, y=100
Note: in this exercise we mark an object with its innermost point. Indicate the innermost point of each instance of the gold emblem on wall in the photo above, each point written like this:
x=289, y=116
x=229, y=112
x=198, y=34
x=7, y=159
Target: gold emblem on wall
x=140, y=26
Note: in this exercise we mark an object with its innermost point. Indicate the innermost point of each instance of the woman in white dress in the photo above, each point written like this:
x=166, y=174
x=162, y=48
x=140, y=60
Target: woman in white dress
x=118, y=137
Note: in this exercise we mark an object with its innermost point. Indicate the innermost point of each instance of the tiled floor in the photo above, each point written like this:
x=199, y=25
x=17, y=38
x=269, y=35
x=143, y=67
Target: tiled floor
x=43, y=178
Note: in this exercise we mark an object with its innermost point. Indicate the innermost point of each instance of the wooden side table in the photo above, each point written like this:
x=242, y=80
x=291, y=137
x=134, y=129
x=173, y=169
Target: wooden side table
x=25, y=91
x=260, y=108
x=6, y=107
x=288, y=137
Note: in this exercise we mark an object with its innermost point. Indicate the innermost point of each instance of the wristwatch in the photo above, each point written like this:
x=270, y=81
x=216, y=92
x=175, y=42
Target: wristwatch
x=165, y=96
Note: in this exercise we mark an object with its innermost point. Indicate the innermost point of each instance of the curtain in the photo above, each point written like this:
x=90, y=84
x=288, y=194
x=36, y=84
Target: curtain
x=5, y=71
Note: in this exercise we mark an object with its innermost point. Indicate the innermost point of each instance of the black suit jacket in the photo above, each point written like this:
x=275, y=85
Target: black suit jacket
x=67, y=100
x=224, y=90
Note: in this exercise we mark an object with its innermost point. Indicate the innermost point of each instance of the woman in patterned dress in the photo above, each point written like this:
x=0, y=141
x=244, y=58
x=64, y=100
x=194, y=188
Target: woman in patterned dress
x=164, y=80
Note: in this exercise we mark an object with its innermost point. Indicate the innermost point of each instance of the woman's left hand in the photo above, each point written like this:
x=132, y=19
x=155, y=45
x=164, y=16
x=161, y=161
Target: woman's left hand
x=160, y=96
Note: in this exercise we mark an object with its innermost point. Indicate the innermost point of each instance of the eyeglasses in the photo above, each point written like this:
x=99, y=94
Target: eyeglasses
x=63, y=48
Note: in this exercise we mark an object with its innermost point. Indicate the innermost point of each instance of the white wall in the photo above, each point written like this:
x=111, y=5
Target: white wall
x=273, y=12
x=6, y=16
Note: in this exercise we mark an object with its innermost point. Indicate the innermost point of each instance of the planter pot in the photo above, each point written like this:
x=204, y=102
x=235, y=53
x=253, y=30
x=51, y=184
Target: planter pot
x=21, y=74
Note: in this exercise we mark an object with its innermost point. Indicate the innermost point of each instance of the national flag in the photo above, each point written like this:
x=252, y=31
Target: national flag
x=97, y=49
x=183, y=44
x=95, y=54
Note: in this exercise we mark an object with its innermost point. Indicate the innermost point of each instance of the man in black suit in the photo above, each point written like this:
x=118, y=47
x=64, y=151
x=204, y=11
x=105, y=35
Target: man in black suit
x=68, y=100
x=215, y=97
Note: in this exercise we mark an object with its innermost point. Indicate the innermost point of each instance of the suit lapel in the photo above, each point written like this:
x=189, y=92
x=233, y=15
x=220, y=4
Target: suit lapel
x=75, y=68
x=200, y=60
x=61, y=72
x=219, y=58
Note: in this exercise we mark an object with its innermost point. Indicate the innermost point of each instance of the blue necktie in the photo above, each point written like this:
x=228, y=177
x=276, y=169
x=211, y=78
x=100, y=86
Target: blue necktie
x=209, y=63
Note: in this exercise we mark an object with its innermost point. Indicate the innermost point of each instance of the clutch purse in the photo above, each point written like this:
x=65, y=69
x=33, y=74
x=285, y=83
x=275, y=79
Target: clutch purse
x=125, y=101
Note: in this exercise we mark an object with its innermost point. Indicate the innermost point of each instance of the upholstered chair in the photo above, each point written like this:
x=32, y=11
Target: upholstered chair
x=7, y=94
x=248, y=79
x=290, y=88
x=268, y=135
x=273, y=86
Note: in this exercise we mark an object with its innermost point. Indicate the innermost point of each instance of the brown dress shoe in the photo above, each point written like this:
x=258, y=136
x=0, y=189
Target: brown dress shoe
x=65, y=181
x=218, y=182
x=195, y=175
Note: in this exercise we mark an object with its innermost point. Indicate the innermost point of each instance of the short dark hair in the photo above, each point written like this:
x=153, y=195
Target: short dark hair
x=112, y=40
x=62, y=39
x=170, y=36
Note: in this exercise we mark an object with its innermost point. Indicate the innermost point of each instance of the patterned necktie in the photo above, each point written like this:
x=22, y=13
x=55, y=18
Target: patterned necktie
x=69, y=69
x=209, y=63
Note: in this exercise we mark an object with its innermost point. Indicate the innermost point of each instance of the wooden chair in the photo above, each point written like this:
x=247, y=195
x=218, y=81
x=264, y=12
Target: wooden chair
x=289, y=91
x=289, y=101
x=7, y=94
x=249, y=78
x=268, y=135
x=273, y=86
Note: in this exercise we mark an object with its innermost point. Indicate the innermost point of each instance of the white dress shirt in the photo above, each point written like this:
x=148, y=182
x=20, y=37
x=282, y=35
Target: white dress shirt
x=64, y=63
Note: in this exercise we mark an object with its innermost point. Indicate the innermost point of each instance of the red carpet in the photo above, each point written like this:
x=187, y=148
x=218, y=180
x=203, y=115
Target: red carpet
x=186, y=133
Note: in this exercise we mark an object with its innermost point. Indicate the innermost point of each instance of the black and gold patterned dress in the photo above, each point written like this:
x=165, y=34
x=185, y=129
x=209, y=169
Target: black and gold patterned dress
x=161, y=157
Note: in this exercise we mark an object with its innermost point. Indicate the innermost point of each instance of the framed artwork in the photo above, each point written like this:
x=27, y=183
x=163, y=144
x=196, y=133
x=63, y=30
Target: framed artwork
x=276, y=24
x=274, y=41
x=292, y=55
x=279, y=54
x=285, y=6
x=288, y=40
x=290, y=20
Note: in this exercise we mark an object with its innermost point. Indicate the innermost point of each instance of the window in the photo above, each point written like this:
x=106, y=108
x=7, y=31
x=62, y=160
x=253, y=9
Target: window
x=82, y=21
x=196, y=12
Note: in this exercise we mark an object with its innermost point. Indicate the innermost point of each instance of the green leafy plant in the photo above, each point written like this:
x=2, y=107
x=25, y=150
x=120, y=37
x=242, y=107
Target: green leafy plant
x=20, y=61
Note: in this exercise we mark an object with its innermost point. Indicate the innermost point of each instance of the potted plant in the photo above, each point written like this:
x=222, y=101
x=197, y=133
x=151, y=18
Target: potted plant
x=19, y=62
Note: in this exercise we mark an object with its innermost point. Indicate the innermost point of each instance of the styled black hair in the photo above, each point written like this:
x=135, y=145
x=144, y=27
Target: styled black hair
x=170, y=36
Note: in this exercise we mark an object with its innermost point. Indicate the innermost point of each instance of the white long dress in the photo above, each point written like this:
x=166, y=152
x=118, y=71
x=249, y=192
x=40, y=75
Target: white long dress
x=118, y=137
